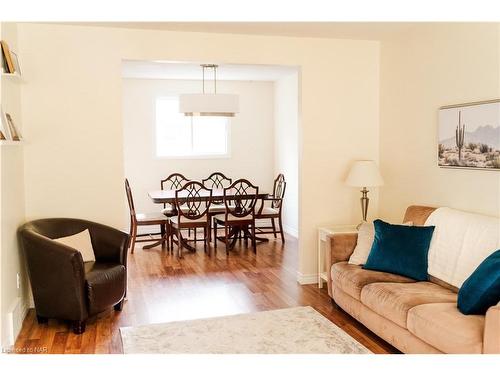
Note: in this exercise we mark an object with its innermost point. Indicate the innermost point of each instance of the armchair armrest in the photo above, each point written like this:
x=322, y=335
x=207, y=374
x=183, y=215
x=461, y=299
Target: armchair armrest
x=269, y=198
x=491, y=342
x=57, y=277
x=109, y=244
x=341, y=247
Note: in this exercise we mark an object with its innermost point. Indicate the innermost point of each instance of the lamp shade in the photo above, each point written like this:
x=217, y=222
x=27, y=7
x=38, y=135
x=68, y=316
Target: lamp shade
x=364, y=173
x=226, y=105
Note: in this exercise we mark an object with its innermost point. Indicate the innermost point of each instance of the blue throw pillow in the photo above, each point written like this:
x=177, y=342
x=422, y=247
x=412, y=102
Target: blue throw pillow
x=482, y=289
x=400, y=249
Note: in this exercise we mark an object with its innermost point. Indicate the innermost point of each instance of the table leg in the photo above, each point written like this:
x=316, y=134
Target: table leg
x=161, y=241
x=233, y=235
x=257, y=238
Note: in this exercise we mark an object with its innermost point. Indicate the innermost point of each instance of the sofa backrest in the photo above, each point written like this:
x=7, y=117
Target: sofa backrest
x=418, y=214
x=461, y=241
x=449, y=263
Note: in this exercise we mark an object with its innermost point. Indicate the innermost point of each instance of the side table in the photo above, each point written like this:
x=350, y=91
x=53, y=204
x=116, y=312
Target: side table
x=324, y=234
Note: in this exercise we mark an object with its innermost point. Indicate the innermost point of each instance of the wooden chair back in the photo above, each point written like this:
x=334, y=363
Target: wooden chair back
x=173, y=182
x=217, y=180
x=190, y=202
x=240, y=198
x=278, y=191
x=130, y=200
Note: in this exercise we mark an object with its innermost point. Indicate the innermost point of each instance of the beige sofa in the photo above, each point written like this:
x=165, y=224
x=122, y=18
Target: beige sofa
x=415, y=317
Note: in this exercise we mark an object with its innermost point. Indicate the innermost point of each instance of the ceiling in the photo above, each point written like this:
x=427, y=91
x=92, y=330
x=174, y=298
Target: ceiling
x=193, y=71
x=340, y=30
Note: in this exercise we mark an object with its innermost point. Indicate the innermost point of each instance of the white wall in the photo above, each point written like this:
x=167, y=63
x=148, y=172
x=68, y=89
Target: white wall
x=12, y=205
x=73, y=119
x=251, y=137
x=432, y=66
x=286, y=146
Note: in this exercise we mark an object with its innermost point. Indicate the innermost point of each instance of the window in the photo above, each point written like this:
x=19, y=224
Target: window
x=181, y=136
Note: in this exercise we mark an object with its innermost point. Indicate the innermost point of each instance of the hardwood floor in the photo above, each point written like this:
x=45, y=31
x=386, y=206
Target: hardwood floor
x=162, y=288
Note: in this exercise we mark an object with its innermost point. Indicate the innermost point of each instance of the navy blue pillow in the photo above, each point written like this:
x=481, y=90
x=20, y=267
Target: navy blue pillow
x=400, y=249
x=482, y=289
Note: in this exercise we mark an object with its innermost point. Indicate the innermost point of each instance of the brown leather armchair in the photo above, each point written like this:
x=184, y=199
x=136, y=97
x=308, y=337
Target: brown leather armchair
x=63, y=286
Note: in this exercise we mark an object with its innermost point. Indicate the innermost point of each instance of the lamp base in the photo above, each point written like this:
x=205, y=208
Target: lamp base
x=364, y=204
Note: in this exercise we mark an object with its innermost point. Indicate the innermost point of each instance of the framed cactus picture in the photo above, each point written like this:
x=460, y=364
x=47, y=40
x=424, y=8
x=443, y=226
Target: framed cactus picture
x=469, y=135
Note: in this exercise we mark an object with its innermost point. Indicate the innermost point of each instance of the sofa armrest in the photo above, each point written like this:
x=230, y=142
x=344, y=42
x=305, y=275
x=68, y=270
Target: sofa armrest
x=341, y=247
x=491, y=343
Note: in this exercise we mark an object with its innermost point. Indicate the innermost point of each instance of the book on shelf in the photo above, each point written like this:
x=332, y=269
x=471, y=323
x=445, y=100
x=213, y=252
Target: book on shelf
x=8, y=62
x=14, y=134
x=8, y=130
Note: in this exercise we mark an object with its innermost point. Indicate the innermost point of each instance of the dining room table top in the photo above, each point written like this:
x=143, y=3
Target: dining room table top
x=168, y=195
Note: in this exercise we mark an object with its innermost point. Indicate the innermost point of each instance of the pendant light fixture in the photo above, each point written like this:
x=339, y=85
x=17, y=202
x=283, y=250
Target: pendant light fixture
x=223, y=105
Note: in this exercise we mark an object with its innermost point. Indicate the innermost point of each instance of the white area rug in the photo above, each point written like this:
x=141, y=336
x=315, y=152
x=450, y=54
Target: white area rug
x=299, y=330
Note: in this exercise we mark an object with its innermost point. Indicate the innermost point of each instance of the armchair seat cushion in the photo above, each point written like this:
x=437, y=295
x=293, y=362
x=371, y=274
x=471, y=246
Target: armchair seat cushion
x=105, y=284
x=352, y=278
x=232, y=218
x=444, y=327
x=185, y=220
x=153, y=218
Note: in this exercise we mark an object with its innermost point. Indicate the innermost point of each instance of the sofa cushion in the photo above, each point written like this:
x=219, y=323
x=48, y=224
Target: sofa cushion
x=105, y=283
x=400, y=249
x=447, y=329
x=393, y=300
x=352, y=278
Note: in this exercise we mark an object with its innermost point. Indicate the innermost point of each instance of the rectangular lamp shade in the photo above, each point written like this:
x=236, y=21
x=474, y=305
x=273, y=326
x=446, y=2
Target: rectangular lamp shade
x=225, y=105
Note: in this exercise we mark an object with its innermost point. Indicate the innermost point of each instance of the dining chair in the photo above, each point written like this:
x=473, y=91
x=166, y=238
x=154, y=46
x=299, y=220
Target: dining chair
x=239, y=201
x=172, y=182
x=192, y=211
x=216, y=180
x=275, y=210
x=137, y=220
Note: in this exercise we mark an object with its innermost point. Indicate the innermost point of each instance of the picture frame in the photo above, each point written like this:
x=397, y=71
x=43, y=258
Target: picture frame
x=469, y=136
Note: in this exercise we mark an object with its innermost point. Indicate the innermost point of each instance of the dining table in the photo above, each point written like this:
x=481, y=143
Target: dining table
x=167, y=196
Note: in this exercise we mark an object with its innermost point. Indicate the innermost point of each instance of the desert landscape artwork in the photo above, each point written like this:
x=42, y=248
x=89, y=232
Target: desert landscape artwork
x=469, y=136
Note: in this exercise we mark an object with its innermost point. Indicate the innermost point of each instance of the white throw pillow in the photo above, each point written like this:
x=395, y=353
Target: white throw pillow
x=81, y=242
x=366, y=235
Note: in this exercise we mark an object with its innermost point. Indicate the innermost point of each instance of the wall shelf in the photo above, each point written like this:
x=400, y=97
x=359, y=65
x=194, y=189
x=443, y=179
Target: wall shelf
x=13, y=76
x=11, y=143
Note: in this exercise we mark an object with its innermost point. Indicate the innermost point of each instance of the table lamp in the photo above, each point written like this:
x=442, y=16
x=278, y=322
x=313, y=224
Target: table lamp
x=363, y=174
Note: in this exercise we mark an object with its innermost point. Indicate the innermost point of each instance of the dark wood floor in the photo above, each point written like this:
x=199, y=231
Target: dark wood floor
x=163, y=288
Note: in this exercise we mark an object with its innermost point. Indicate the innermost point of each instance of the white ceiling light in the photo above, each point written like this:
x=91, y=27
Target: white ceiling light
x=225, y=105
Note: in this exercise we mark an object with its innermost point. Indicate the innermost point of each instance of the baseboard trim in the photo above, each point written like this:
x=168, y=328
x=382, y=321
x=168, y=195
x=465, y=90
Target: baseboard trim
x=305, y=279
x=291, y=231
x=15, y=318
